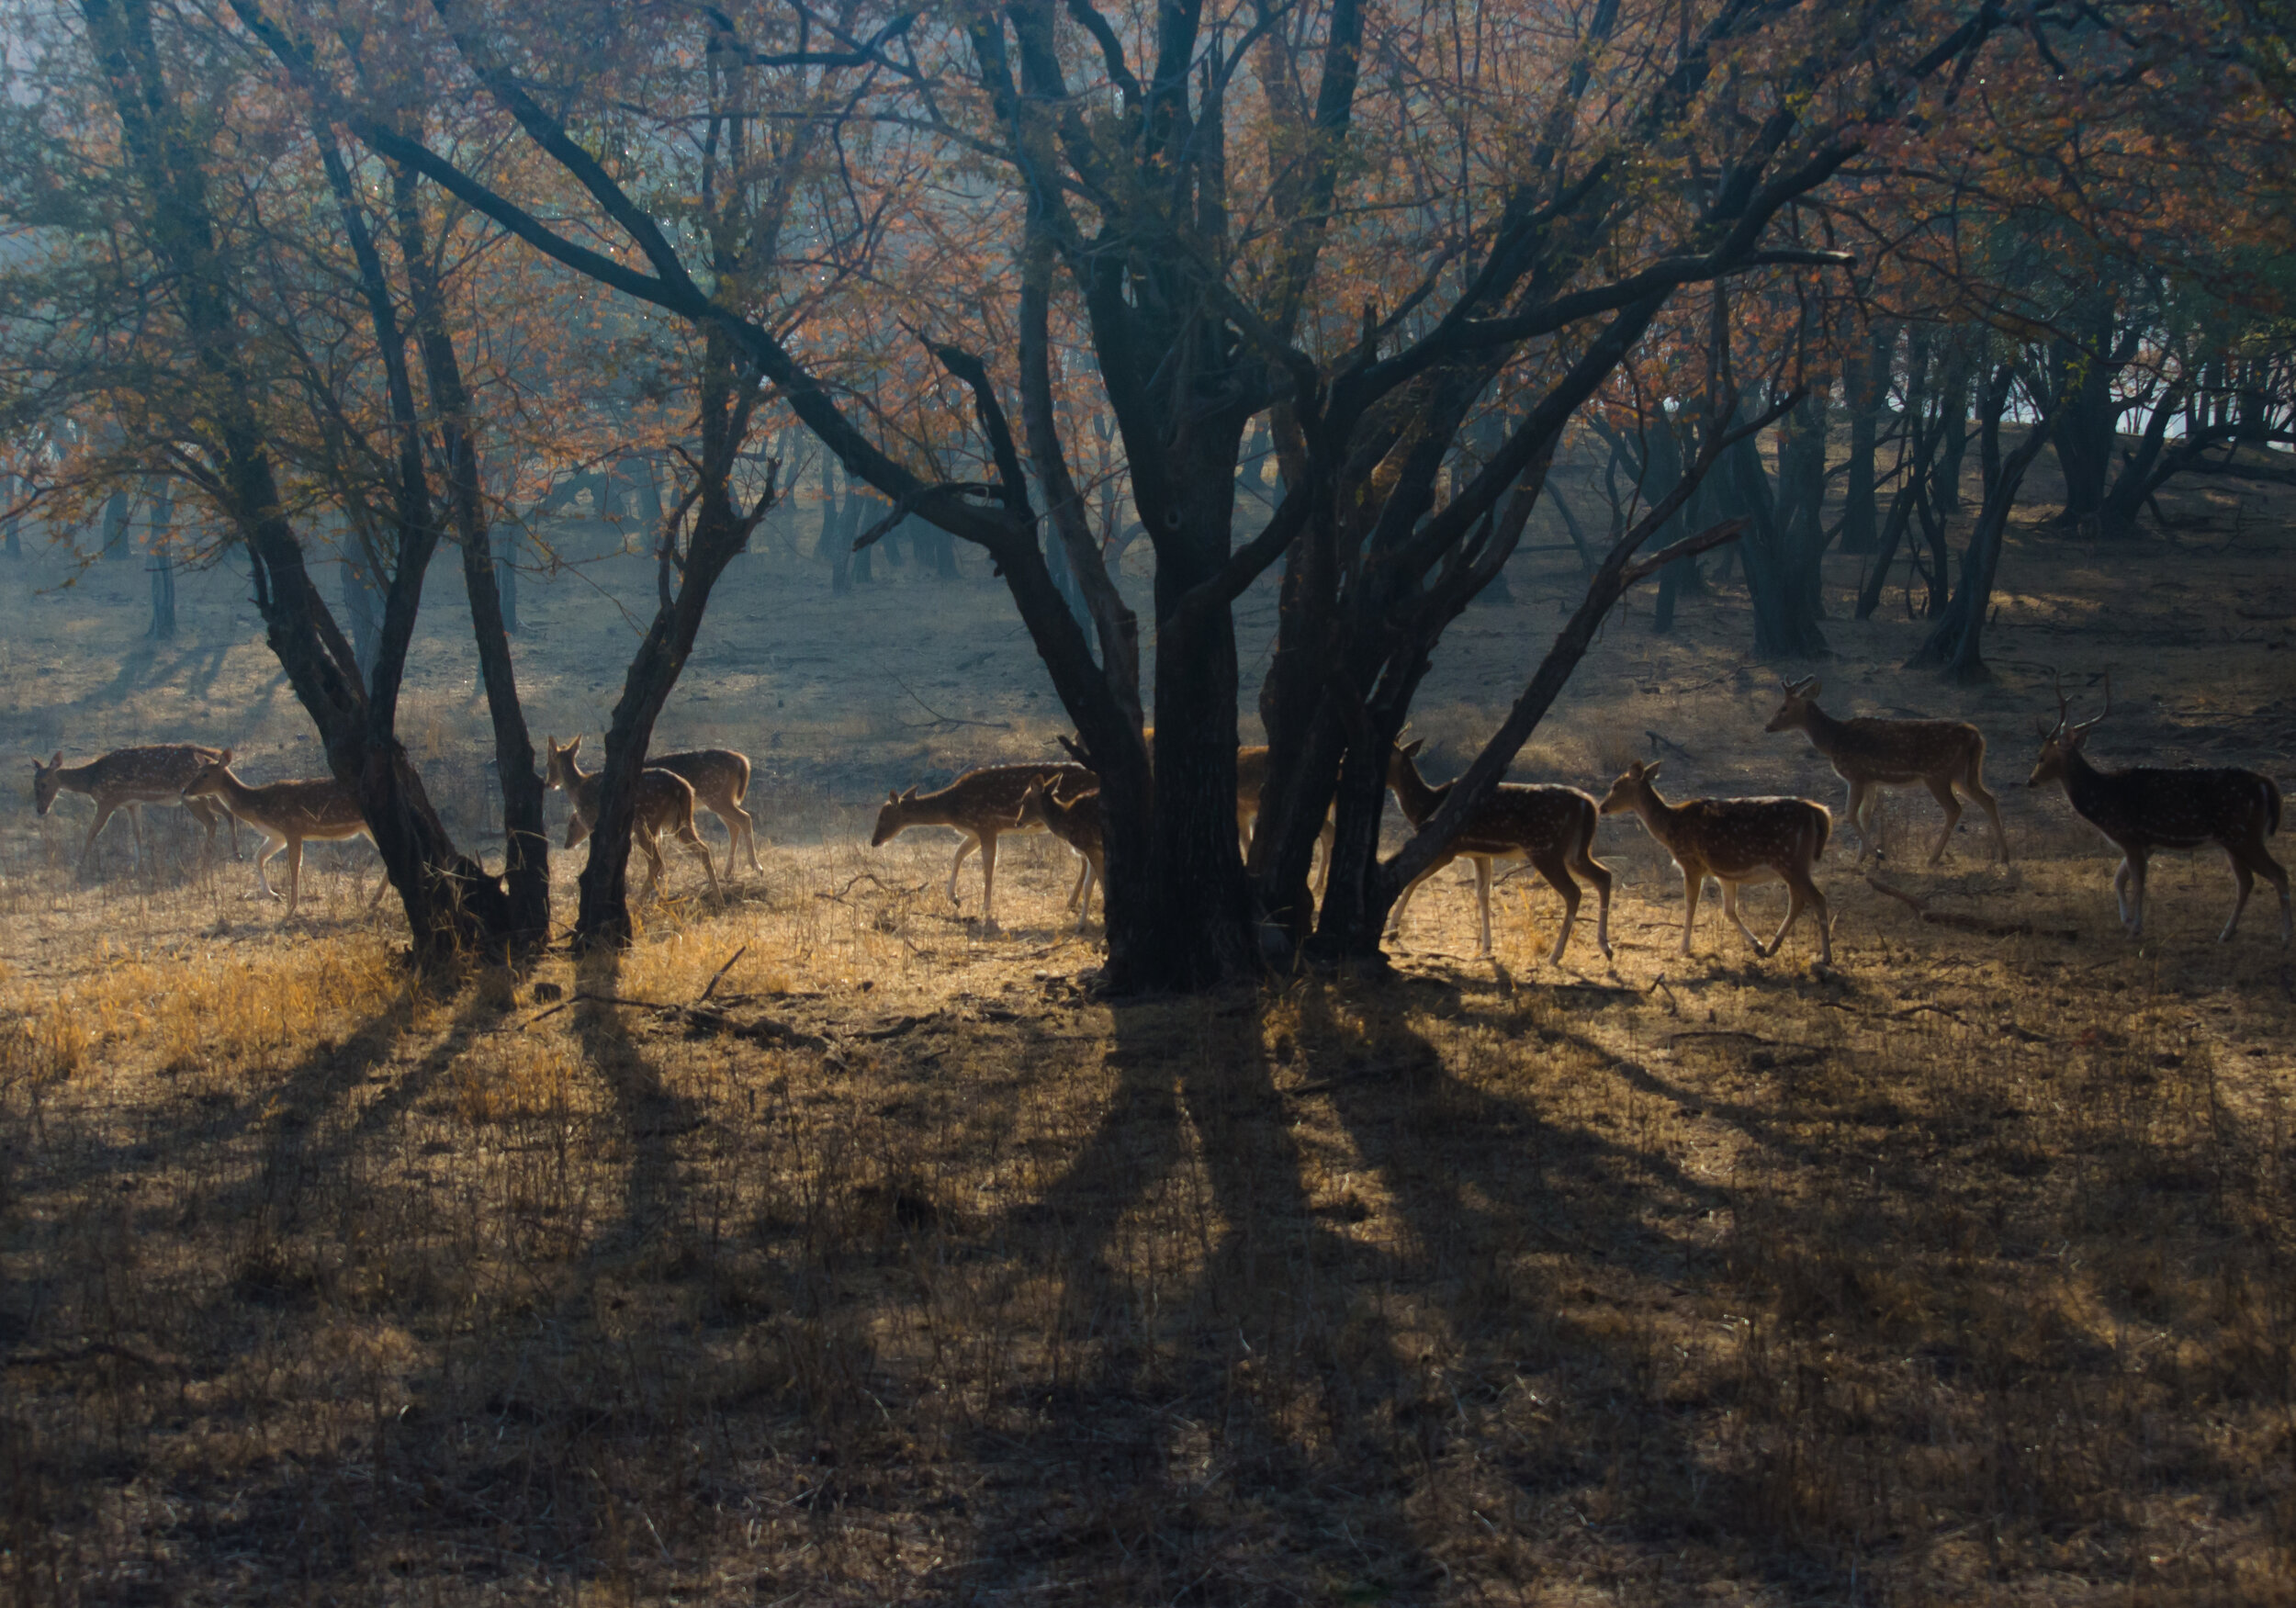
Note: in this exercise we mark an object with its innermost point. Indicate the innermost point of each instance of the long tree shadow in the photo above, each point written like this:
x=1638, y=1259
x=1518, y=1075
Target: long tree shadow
x=1203, y=1417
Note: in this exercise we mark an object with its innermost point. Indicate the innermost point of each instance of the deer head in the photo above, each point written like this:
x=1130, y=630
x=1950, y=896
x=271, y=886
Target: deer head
x=46, y=783
x=2061, y=742
x=892, y=817
x=210, y=777
x=561, y=771
x=1801, y=697
x=1632, y=789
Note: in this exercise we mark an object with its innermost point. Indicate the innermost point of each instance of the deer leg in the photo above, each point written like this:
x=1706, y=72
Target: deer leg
x=2134, y=867
x=1482, y=897
x=1403, y=900
x=1860, y=811
x=693, y=840
x=206, y=817
x=989, y=882
x=1595, y=871
x=1729, y=908
x=1329, y=836
x=741, y=829
x=1974, y=785
x=1694, y=883
x=1942, y=790
x=135, y=821
x=295, y=873
x=1550, y=866
x=2278, y=879
x=1083, y=905
x=382, y=879
x=271, y=846
x=1083, y=890
x=1801, y=890
x=103, y=813
x=970, y=842
x=2244, y=882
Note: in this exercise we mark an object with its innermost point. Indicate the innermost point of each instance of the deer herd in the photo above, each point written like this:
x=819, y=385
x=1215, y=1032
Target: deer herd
x=1733, y=842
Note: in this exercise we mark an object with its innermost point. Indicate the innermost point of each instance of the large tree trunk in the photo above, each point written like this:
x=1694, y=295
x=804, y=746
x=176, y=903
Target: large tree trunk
x=161, y=558
x=451, y=903
x=1785, y=613
x=494, y=608
x=721, y=530
x=1866, y=385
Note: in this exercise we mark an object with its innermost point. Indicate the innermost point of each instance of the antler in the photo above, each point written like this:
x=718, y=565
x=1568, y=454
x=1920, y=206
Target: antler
x=2093, y=719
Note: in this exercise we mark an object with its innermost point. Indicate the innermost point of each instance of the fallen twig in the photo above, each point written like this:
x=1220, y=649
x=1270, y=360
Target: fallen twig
x=719, y=975
x=1657, y=742
x=764, y=1031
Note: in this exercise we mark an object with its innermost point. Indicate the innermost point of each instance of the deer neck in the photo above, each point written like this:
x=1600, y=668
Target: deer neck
x=231, y=789
x=1658, y=816
x=1418, y=799
x=76, y=777
x=1822, y=729
x=2081, y=778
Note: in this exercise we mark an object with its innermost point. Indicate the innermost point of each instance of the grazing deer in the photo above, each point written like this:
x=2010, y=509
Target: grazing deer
x=1076, y=821
x=1553, y=827
x=720, y=780
x=317, y=809
x=129, y=778
x=2149, y=806
x=982, y=805
x=1870, y=754
x=665, y=803
x=1735, y=841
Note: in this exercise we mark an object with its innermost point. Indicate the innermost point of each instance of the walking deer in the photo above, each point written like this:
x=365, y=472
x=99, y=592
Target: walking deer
x=2150, y=806
x=317, y=809
x=1870, y=754
x=1735, y=841
x=720, y=780
x=1553, y=827
x=665, y=803
x=983, y=805
x=1076, y=821
x=128, y=779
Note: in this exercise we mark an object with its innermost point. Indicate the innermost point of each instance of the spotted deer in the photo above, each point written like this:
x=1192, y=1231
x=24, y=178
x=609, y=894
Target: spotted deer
x=128, y=779
x=983, y=805
x=665, y=804
x=317, y=809
x=1076, y=821
x=720, y=780
x=1735, y=841
x=1870, y=754
x=2147, y=807
x=1553, y=827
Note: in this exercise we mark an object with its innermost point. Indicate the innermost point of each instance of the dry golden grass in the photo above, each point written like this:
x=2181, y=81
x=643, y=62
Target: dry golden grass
x=908, y=1272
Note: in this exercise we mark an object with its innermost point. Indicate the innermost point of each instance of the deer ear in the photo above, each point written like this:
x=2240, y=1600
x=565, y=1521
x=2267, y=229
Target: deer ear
x=1811, y=688
x=892, y=797
x=1652, y=769
x=1411, y=749
x=226, y=756
x=574, y=744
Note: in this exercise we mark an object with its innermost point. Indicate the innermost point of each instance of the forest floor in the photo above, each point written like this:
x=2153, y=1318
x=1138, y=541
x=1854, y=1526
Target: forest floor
x=829, y=1247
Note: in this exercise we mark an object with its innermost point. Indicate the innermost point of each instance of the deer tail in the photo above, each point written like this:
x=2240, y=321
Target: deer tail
x=1825, y=831
x=2271, y=805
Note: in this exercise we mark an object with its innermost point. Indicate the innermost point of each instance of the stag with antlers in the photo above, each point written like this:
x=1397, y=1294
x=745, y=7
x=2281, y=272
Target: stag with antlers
x=2157, y=806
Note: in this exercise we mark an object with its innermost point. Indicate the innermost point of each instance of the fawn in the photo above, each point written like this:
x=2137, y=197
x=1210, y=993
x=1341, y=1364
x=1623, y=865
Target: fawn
x=1735, y=841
